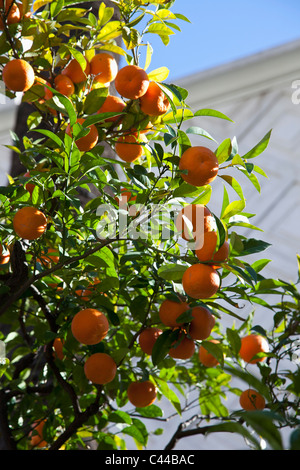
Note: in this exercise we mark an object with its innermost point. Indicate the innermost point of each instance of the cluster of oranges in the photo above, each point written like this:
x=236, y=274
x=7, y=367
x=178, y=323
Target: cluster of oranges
x=131, y=82
x=89, y=327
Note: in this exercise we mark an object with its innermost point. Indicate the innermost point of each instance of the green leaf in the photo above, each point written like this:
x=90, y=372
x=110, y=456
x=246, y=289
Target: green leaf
x=215, y=350
x=233, y=208
x=234, y=184
x=259, y=148
x=235, y=428
x=169, y=394
x=263, y=423
x=120, y=416
x=152, y=411
x=198, y=131
x=162, y=346
x=110, y=31
x=51, y=136
x=224, y=150
x=159, y=75
x=138, y=431
x=172, y=272
x=234, y=340
x=211, y=113
x=159, y=28
x=252, y=245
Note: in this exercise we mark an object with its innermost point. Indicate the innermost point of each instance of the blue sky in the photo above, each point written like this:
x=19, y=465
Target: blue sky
x=224, y=30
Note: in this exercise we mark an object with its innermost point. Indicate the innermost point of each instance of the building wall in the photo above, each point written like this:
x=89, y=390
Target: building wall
x=7, y=120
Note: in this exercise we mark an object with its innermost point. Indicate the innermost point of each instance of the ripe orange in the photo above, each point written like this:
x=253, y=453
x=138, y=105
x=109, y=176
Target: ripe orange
x=154, y=102
x=37, y=439
x=29, y=186
x=206, y=358
x=58, y=345
x=24, y=14
x=13, y=14
x=126, y=197
x=184, y=349
x=170, y=310
x=74, y=71
x=4, y=258
x=221, y=255
x=87, y=142
x=252, y=345
x=64, y=85
x=129, y=147
x=208, y=250
x=29, y=223
x=201, y=164
x=200, y=220
x=112, y=104
x=252, y=400
x=202, y=323
x=104, y=67
x=84, y=294
x=147, y=339
x=132, y=82
x=100, y=368
x=49, y=257
x=200, y=281
x=18, y=75
x=89, y=326
x=141, y=394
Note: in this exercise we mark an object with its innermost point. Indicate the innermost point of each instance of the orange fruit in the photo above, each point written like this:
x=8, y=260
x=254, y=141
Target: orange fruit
x=206, y=358
x=58, y=345
x=89, y=326
x=208, y=250
x=129, y=147
x=200, y=281
x=13, y=14
x=126, y=197
x=64, y=85
x=18, y=75
x=37, y=439
x=4, y=258
x=170, y=310
x=132, y=82
x=104, y=67
x=193, y=221
x=184, y=349
x=154, y=102
x=87, y=142
x=86, y=294
x=201, y=164
x=29, y=223
x=29, y=186
x=252, y=400
x=24, y=14
x=221, y=255
x=100, y=368
x=112, y=104
x=202, y=323
x=141, y=394
x=49, y=257
x=147, y=339
x=74, y=71
x=252, y=345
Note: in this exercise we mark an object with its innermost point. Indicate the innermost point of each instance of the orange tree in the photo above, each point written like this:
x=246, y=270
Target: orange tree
x=81, y=280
